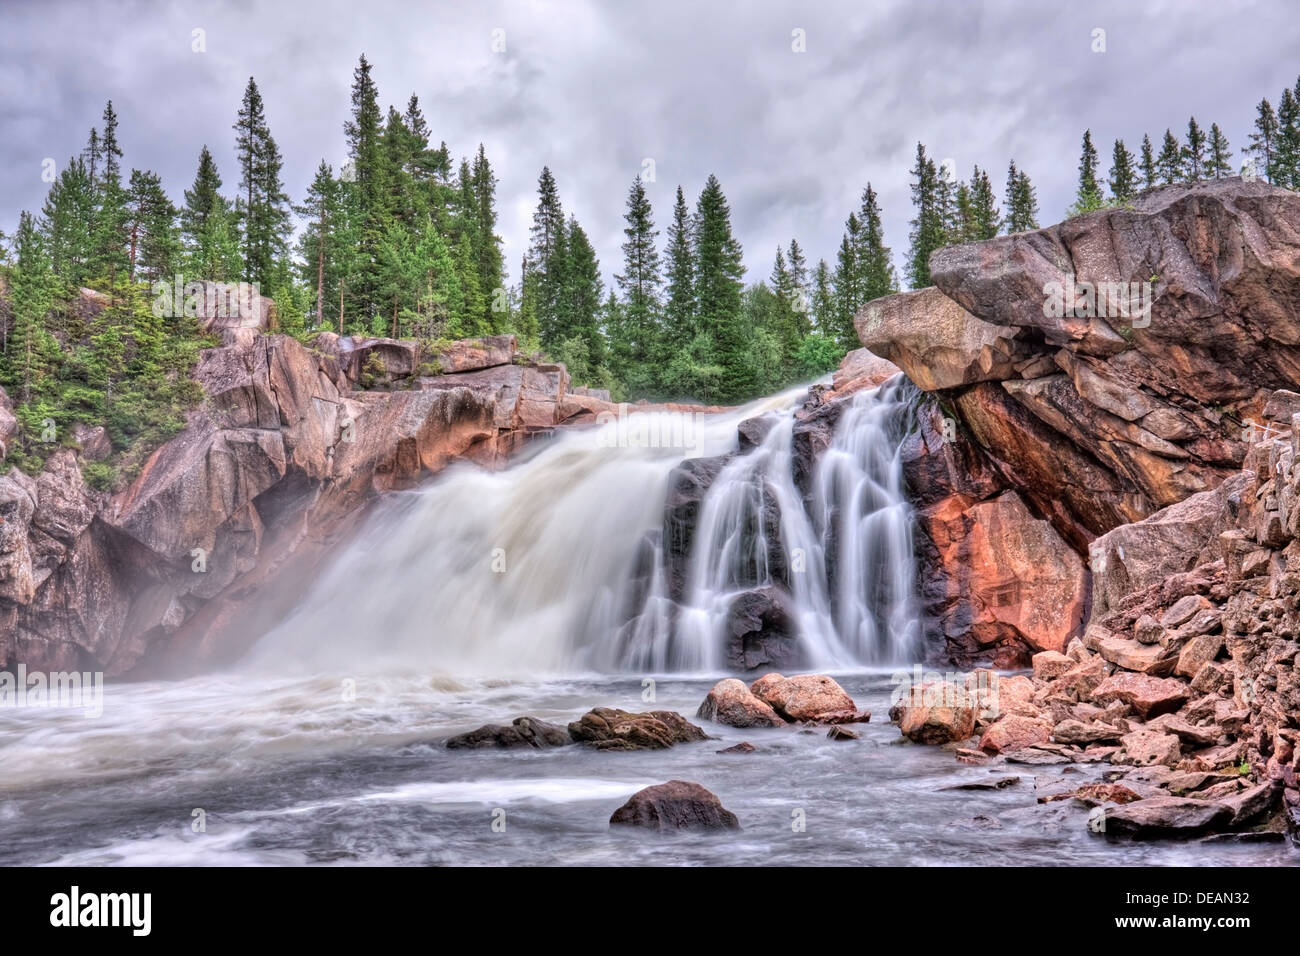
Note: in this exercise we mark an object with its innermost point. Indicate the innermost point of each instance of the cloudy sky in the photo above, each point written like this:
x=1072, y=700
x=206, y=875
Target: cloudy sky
x=594, y=88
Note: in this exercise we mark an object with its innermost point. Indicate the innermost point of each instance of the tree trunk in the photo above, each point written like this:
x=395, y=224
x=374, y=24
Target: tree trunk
x=320, y=273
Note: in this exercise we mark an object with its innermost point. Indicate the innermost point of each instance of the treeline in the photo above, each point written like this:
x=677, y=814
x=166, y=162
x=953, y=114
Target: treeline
x=1272, y=153
x=401, y=241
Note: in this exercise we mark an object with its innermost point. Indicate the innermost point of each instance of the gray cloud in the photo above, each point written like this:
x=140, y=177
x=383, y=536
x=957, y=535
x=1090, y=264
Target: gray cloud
x=594, y=88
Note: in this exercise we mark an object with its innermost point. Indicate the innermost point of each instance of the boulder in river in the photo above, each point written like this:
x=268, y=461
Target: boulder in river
x=935, y=712
x=607, y=728
x=730, y=702
x=675, y=805
x=811, y=697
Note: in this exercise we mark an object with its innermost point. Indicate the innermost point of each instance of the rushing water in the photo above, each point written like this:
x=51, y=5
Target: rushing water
x=487, y=596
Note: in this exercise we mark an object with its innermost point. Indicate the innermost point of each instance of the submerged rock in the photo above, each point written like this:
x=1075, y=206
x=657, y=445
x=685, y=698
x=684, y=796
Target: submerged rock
x=744, y=747
x=607, y=728
x=1157, y=817
x=675, y=805
x=522, y=732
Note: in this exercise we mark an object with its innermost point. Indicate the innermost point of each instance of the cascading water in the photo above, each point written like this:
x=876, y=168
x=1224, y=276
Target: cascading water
x=540, y=568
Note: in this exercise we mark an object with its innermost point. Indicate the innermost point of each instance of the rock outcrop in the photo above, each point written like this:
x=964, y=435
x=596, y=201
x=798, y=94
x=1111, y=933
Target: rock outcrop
x=1080, y=378
x=274, y=466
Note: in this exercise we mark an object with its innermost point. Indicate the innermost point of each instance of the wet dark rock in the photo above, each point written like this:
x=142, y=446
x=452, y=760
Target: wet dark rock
x=522, y=732
x=607, y=728
x=675, y=805
x=760, y=631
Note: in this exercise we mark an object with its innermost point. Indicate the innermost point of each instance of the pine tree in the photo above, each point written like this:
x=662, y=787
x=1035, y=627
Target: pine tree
x=718, y=271
x=208, y=231
x=1193, y=152
x=928, y=233
x=1123, y=175
x=1263, y=141
x=1150, y=174
x=679, y=300
x=1022, y=202
x=1170, y=161
x=1219, y=163
x=1089, y=195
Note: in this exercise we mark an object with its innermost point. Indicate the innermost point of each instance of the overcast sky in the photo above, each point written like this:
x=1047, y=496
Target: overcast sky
x=593, y=89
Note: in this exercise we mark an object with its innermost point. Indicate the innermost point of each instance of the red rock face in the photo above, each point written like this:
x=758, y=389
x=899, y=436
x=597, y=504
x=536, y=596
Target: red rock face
x=1095, y=409
x=275, y=466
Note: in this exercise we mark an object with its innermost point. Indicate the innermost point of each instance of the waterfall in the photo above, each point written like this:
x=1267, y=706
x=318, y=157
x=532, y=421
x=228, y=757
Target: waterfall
x=558, y=564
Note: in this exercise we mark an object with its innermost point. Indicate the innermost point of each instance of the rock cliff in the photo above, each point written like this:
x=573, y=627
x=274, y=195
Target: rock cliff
x=1082, y=377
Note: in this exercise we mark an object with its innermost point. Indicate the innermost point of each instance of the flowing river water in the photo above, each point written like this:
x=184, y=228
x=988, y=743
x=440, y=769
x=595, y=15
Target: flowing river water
x=486, y=596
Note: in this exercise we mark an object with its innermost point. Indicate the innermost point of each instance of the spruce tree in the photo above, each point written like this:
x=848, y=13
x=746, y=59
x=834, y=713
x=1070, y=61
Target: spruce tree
x=823, y=301
x=110, y=230
x=487, y=252
x=846, y=281
x=208, y=231
x=367, y=192
x=1194, y=152
x=154, y=245
x=928, y=233
x=1219, y=162
x=800, y=293
x=1150, y=174
x=1286, y=151
x=1170, y=161
x=639, y=342
x=718, y=271
x=679, y=299
x=1089, y=195
x=1123, y=175
x=582, y=299
x=31, y=296
x=1263, y=141
x=320, y=209
x=1022, y=202
x=263, y=207
x=68, y=221
x=546, y=260
x=986, y=217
